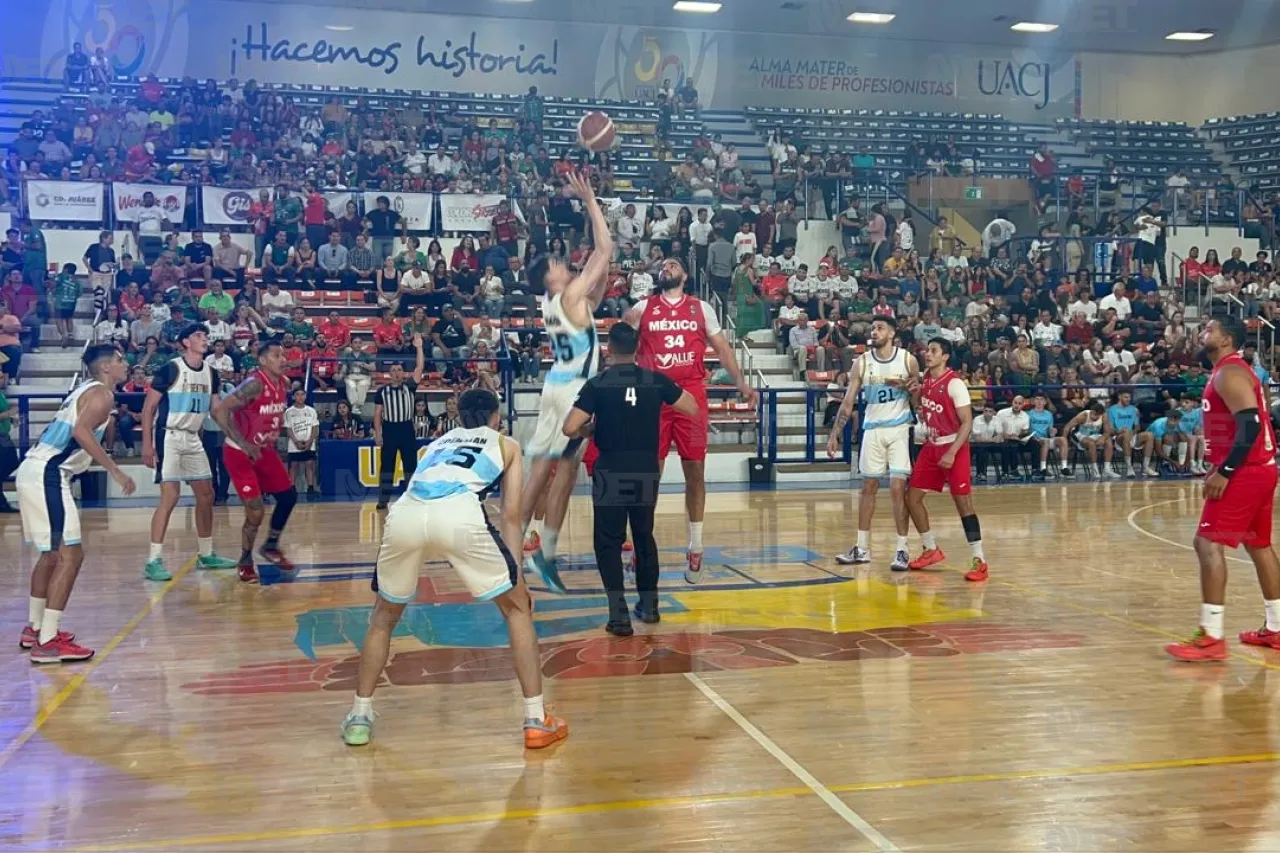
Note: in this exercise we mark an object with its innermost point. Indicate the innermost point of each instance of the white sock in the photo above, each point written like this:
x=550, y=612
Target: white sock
x=1212, y=620
x=976, y=549
x=35, y=611
x=49, y=625
x=157, y=551
x=695, y=537
x=363, y=707
x=929, y=540
x=864, y=539
x=206, y=546
x=549, y=538
x=902, y=544
x=533, y=708
x=1272, y=608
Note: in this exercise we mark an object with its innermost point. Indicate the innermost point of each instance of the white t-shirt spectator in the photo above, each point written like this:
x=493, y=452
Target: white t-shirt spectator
x=631, y=229
x=441, y=164
x=1122, y=306
x=279, y=306
x=787, y=265
x=700, y=233
x=986, y=430
x=660, y=229
x=491, y=287
x=997, y=232
x=801, y=288
x=976, y=308
x=415, y=162
x=1088, y=309
x=957, y=261
x=763, y=262
x=221, y=363
x=743, y=244
x=641, y=285
x=790, y=312
x=107, y=332
x=1045, y=334
x=1148, y=226
x=845, y=286
x=151, y=220
x=219, y=330
x=906, y=236
x=1124, y=359
x=1013, y=424
x=301, y=423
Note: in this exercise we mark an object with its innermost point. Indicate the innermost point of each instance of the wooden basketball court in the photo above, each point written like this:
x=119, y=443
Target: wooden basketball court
x=787, y=704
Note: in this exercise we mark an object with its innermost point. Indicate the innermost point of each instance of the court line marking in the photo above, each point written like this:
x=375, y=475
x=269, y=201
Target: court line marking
x=795, y=768
x=675, y=802
x=1184, y=546
x=83, y=672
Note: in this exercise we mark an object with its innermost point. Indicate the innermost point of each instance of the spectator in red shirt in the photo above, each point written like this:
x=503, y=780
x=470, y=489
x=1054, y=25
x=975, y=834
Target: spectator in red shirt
x=774, y=285
x=243, y=138
x=324, y=363
x=466, y=251
x=1044, y=172
x=313, y=211
x=335, y=331
x=388, y=335
x=1079, y=330
x=24, y=303
x=293, y=356
x=151, y=90
x=138, y=162
x=506, y=229
x=1191, y=267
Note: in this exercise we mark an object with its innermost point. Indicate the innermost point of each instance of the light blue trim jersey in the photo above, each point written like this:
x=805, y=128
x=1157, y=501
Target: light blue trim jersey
x=187, y=398
x=462, y=461
x=574, y=349
x=56, y=446
x=1123, y=417
x=886, y=406
x=1159, y=428
x=1191, y=421
x=1041, y=422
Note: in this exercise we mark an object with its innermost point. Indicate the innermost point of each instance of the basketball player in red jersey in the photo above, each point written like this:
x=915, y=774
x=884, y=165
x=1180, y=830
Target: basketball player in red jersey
x=945, y=407
x=675, y=331
x=250, y=418
x=1239, y=493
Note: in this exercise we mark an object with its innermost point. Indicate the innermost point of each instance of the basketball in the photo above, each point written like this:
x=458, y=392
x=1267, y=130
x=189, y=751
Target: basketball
x=595, y=131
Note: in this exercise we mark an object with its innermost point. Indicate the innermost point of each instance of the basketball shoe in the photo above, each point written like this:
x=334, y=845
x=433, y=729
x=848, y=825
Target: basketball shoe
x=1201, y=647
x=542, y=733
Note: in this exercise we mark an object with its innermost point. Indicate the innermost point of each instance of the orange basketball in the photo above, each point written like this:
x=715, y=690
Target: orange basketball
x=595, y=131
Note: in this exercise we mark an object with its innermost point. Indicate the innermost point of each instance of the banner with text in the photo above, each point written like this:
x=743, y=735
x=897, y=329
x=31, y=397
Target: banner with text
x=469, y=212
x=228, y=206
x=414, y=207
x=294, y=43
x=128, y=198
x=66, y=201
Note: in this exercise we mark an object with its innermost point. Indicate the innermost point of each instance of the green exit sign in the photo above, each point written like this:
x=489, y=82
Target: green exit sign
x=973, y=193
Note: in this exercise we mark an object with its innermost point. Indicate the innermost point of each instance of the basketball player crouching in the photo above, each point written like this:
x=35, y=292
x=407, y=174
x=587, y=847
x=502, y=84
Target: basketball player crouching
x=441, y=516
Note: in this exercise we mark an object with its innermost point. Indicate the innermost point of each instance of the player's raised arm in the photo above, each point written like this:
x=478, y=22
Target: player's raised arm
x=244, y=394
x=590, y=284
x=92, y=408
x=512, y=486
x=419, y=364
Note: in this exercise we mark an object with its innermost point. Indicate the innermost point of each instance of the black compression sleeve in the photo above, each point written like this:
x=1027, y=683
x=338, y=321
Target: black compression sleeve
x=1248, y=425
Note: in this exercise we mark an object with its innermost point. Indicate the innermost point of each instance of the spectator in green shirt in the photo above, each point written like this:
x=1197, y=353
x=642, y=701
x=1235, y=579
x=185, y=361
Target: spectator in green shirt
x=8, y=453
x=66, y=293
x=299, y=326
x=288, y=213
x=860, y=315
x=217, y=299
x=35, y=254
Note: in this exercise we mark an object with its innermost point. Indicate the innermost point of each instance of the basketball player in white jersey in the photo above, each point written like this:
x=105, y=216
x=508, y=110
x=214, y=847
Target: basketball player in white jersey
x=568, y=315
x=441, y=516
x=50, y=519
x=884, y=375
x=181, y=394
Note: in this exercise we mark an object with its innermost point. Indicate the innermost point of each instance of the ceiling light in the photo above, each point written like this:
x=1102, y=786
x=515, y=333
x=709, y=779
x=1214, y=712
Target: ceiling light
x=702, y=7
x=1031, y=27
x=1197, y=35
x=337, y=29
x=871, y=17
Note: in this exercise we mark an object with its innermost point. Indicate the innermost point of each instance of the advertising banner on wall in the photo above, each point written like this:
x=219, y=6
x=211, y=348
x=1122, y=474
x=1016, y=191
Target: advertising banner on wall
x=282, y=42
x=349, y=468
x=414, y=207
x=469, y=212
x=66, y=201
x=128, y=198
x=227, y=206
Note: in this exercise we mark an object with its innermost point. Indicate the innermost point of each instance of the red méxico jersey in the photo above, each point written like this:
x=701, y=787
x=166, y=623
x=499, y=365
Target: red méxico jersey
x=673, y=337
x=259, y=420
x=939, y=401
x=1220, y=424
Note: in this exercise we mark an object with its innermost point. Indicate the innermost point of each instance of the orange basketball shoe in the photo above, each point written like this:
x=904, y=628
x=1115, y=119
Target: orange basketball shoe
x=930, y=557
x=539, y=734
x=977, y=571
x=1262, y=637
x=1201, y=647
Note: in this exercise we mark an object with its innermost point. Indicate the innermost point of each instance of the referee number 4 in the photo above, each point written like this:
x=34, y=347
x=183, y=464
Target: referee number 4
x=630, y=396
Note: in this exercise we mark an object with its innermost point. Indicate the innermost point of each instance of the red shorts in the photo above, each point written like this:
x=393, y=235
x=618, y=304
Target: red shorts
x=1243, y=514
x=688, y=434
x=929, y=476
x=252, y=479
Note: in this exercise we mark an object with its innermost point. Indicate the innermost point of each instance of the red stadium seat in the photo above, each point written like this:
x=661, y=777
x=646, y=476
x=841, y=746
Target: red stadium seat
x=307, y=298
x=335, y=297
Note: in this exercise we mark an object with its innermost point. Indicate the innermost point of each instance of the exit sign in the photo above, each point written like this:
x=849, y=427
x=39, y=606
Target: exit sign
x=973, y=193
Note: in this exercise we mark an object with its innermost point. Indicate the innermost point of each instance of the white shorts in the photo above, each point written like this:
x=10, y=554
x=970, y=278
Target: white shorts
x=50, y=517
x=180, y=457
x=886, y=451
x=454, y=529
x=549, y=440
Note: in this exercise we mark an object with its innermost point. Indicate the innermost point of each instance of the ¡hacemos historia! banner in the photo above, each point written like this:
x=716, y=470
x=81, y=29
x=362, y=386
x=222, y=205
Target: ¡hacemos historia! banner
x=287, y=43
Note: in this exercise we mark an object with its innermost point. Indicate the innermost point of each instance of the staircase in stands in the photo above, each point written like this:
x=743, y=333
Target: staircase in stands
x=20, y=97
x=733, y=126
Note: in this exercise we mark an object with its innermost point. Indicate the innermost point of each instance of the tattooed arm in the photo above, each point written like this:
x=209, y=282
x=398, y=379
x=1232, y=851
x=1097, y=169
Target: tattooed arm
x=247, y=391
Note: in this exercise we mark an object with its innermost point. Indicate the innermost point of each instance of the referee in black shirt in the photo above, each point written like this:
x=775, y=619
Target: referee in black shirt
x=625, y=401
x=393, y=424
